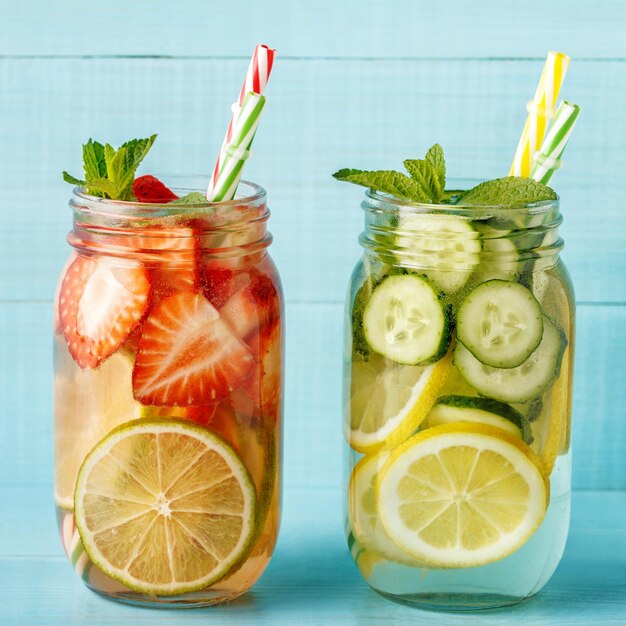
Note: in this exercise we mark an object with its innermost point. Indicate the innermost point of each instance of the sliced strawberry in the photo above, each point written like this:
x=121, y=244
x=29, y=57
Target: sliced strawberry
x=187, y=354
x=218, y=281
x=263, y=385
x=100, y=303
x=253, y=307
x=150, y=189
x=171, y=257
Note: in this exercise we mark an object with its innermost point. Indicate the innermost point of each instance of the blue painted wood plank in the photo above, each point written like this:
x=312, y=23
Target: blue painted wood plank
x=448, y=28
x=322, y=115
x=311, y=579
x=313, y=434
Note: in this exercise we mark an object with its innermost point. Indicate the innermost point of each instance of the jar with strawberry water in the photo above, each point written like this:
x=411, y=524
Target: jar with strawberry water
x=168, y=351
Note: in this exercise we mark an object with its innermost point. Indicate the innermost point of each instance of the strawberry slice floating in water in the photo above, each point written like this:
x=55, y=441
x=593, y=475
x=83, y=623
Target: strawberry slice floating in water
x=100, y=303
x=263, y=386
x=253, y=307
x=187, y=354
x=172, y=259
x=150, y=189
x=218, y=282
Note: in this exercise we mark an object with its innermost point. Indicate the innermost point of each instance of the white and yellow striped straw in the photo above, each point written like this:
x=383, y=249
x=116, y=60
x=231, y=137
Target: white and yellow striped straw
x=540, y=110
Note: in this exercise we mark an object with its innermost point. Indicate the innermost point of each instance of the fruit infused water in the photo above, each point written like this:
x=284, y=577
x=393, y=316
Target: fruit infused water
x=168, y=379
x=457, y=386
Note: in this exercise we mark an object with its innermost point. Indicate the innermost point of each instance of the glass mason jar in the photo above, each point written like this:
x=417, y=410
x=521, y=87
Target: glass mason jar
x=457, y=395
x=168, y=351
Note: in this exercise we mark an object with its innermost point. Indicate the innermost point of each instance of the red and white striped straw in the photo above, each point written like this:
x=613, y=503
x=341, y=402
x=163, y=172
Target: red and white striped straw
x=256, y=79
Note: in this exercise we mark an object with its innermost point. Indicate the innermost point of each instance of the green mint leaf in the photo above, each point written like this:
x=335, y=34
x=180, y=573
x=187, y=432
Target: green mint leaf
x=424, y=173
x=68, y=178
x=102, y=187
x=136, y=151
x=195, y=197
x=109, y=172
x=93, y=160
x=387, y=181
x=511, y=191
x=435, y=157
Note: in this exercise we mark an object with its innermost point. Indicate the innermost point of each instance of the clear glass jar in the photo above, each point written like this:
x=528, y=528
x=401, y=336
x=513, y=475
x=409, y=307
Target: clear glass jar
x=168, y=352
x=458, y=472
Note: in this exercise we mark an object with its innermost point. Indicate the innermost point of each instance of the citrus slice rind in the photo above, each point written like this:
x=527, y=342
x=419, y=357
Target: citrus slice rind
x=461, y=495
x=362, y=514
x=88, y=404
x=164, y=507
x=388, y=401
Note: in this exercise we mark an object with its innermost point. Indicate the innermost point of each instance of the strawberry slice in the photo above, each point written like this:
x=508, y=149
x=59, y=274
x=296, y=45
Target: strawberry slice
x=263, y=386
x=218, y=282
x=170, y=256
x=253, y=307
x=100, y=303
x=150, y=189
x=187, y=355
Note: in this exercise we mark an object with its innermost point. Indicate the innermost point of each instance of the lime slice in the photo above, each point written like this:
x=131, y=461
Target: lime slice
x=388, y=401
x=164, y=506
x=362, y=515
x=461, y=495
x=88, y=404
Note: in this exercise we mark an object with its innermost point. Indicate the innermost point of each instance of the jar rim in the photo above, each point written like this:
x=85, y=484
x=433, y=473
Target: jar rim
x=253, y=196
x=386, y=203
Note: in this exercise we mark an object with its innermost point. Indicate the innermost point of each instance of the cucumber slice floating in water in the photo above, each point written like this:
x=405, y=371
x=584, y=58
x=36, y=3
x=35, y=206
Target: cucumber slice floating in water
x=516, y=384
x=451, y=409
x=501, y=323
x=446, y=247
x=406, y=320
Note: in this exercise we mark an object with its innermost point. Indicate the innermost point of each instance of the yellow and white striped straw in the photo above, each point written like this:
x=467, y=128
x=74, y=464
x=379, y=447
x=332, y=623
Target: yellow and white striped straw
x=540, y=110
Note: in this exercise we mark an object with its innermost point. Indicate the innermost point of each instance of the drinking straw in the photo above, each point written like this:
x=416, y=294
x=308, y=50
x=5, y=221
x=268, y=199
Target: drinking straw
x=540, y=109
x=237, y=150
x=255, y=81
x=547, y=160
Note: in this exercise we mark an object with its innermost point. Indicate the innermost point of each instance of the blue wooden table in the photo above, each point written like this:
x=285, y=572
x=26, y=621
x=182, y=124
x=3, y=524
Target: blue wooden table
x=360, y=84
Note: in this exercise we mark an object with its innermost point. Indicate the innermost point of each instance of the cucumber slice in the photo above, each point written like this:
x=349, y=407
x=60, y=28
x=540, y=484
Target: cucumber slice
x=530, y=410
x=482, y=411
x=406, y=321
x=516, y=384
x=501, y=323
x=445, y=247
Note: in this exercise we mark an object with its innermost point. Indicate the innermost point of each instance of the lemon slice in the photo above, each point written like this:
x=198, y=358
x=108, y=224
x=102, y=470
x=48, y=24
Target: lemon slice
x=552, y=428
x=362, y=515
x=87, y=405
x=164, y=506
x=461, y=495
x=389, y=401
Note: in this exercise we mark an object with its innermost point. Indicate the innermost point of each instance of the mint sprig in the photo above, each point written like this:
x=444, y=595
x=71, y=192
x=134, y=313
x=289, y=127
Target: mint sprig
x=109, y=173
x=387, y=181
x=510, y=191
x=425, y=184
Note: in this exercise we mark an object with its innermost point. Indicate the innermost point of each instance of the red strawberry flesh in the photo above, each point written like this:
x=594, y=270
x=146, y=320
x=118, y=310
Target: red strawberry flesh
x=253, y=307
x=150, y=189
x=100, y=303
x=187, y=354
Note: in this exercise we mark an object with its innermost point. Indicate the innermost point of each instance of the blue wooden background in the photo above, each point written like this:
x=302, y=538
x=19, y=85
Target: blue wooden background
x=356, y=83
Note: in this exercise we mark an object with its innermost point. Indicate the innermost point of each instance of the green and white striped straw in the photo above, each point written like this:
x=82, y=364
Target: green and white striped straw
x=548, y=159
x=238, y=149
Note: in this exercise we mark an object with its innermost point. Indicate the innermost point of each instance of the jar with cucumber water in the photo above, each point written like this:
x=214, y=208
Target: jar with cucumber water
x=457, y=391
